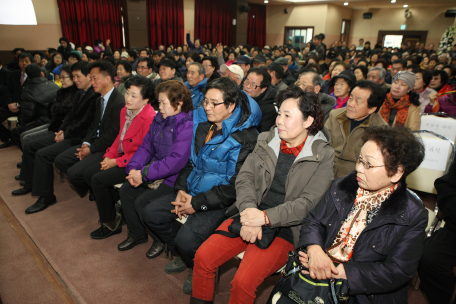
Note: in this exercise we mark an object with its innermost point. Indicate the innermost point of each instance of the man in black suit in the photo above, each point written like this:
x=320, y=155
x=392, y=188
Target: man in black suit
x=4, y=78
x=102, y=132
x=37, y=170
x=12, y=100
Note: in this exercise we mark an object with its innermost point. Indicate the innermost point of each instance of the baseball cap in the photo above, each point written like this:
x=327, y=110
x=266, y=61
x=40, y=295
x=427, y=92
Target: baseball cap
x=260, y=58
x=274, y=66
x=331, y=55
x=124, y=54
x=282, y=61
x=233, y=68
x=89, y=48
x=267, y=47
x=243, y=59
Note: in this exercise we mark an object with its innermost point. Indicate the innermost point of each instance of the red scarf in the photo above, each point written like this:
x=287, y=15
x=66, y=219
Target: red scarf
x=341, y=103
x=402, y=107
x=295, y=150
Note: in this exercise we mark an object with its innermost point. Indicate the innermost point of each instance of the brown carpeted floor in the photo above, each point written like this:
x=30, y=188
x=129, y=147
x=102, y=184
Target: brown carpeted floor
x=94, y=270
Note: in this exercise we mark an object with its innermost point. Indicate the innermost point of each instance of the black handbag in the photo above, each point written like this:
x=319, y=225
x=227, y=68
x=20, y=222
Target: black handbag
x=268, y=233
x=295, y=287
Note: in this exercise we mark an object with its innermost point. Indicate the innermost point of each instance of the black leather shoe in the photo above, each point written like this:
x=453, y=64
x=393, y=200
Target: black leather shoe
x=131, y=242
x=19, y=165
x=7, y=144
x=27, y=189
x=41, y=204
x=91, y=196
x=17, y=177
x=155, y=250
x=23, y=183
x=104, y=232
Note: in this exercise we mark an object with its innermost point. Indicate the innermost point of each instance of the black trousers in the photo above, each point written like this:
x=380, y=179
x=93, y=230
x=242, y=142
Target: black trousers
x=75, y=168
x=28, y=155
x=43, y=172
x=18, y=130
x=102, y=182
x=5, y=113
x=187, y=238
x=436, y=266
x=134, y=200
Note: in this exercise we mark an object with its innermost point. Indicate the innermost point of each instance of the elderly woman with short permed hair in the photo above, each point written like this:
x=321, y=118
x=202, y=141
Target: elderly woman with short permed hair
x=369, y=222
x=283, y=178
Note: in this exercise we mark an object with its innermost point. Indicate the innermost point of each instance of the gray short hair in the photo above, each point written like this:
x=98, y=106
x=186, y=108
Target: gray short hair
x=201, y=68
x=316, y=78
x=382, y=71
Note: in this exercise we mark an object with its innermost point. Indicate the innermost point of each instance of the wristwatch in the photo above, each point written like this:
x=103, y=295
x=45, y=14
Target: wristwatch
x=17, y=105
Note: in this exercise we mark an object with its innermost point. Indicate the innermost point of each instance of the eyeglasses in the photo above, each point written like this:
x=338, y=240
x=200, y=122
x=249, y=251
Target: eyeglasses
x=248, y=84
x=210, y=104
x=366, y=164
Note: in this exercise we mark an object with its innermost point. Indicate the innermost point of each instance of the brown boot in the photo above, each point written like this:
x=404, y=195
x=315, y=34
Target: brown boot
x=199, y=301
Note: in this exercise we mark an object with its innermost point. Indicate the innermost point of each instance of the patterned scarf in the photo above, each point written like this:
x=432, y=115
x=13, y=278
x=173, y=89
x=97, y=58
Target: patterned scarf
x=342, y=248
x=295, y=150
x=130, y=116
x=402, y=107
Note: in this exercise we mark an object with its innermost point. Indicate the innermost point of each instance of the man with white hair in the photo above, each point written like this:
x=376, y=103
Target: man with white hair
x=377, y=75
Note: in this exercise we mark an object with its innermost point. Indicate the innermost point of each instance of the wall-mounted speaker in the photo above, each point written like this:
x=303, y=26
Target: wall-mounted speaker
x=285, y=11
x=450, y=13
x=245, y=9
x=367, y=16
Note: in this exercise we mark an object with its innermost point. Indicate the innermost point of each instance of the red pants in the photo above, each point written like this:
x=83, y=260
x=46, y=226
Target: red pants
x=257, y=265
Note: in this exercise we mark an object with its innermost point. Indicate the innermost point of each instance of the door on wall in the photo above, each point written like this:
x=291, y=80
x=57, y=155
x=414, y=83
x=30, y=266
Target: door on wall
x=299, y=36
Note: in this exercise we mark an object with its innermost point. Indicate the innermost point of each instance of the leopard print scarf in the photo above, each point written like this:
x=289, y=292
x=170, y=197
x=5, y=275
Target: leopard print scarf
x=342, y=248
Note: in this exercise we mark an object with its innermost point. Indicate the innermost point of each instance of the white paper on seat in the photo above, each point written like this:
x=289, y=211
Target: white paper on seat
x=436, y=156
x=441, y=125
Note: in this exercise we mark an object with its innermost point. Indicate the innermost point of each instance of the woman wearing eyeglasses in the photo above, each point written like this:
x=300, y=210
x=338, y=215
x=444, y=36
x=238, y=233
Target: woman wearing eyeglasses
x=369, y=222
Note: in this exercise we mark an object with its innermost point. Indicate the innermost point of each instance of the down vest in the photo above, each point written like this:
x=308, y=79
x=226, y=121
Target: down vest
x=211, y=172
x=386, y=254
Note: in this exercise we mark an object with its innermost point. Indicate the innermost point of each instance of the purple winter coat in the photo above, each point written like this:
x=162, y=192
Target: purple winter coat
x=447, y=104
x=168, y=145
x=387, y=252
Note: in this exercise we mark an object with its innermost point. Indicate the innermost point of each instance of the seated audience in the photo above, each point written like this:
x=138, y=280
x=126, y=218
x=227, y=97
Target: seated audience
x=58, y=108
x=311, y=81
x=422, y=80
x=402, y=105
x=12, y=99
x=337, y=68
x=438, y=260
x=212, y=67
x=135, y=120
x=64, y=48
x=369, y=222
x=270, y=201
x=442, y=100
x=347, y=125
x=167, y=71
x=224, y=135
x=244, y=62
x=258, y=85
x=74, y=57
x=124, y=72
x=233, y=72
x=342, y=84
x=153, y=169
x=377, y=75
x=197, y=47
x=288, y=77
x=196, y=82
x=360, y=72
x=37, y=169
x=276, y=71
x=145, y=68
x=36, y=98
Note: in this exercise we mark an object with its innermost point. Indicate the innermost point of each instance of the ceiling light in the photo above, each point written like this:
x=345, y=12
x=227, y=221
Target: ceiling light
x=266, y=1
x=346, y=3
x=393, y=1
x=405, y=5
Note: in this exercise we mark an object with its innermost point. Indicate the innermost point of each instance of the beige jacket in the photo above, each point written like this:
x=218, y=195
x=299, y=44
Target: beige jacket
x=308, y=179
x=345, y=144
x=413, y=120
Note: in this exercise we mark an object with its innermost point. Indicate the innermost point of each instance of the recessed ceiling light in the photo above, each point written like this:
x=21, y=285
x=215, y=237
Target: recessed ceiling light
x=346, y=3
x=405, y=5
x=393, y=1
x=266, y=1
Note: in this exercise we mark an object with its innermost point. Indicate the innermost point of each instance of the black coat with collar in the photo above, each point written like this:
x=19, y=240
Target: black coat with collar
x=109, y=125
x=4, y=89
x=386, y=254
x=15, y=88
x=80, y=117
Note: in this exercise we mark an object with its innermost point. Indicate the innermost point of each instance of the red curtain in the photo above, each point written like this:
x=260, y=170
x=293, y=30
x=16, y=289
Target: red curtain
x=166, y=22
x=256, y=25
x=84, y=21
x=212, y=21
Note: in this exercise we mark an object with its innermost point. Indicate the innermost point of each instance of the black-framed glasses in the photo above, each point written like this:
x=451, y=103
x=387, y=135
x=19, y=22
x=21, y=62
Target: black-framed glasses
x=250, y=84
x=366, y=164
x=211, y=104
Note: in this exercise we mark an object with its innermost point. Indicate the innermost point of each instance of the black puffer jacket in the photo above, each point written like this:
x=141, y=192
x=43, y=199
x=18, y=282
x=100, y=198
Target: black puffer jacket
x=267, y=104
x=60, y=107
x=36, y=98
